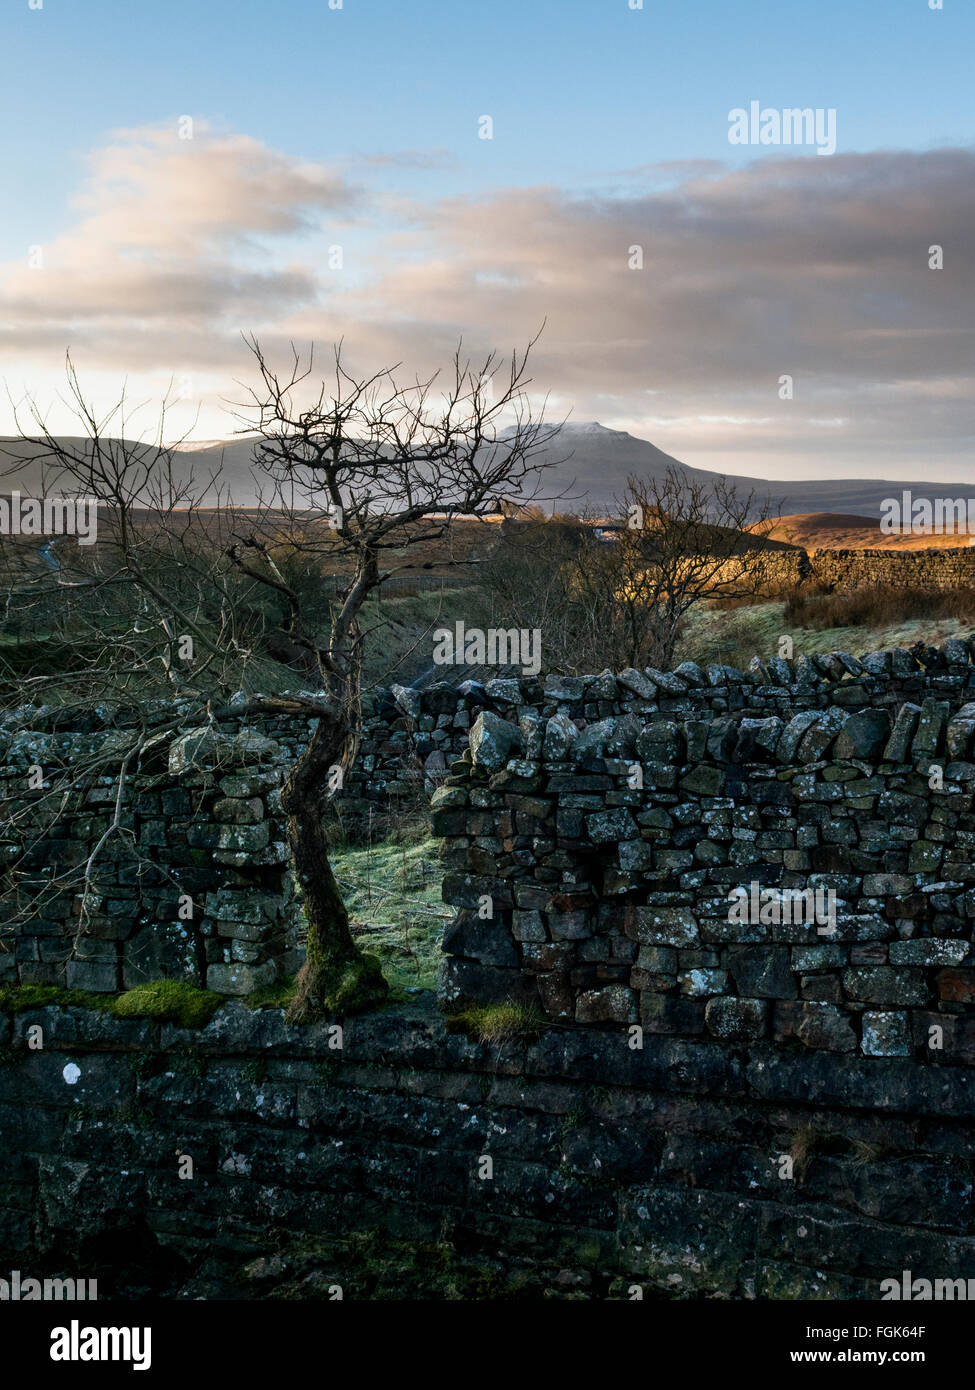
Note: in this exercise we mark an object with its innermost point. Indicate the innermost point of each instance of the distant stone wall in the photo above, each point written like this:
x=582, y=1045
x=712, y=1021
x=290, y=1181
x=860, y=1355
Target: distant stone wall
x=935, y=569
x=592, y=859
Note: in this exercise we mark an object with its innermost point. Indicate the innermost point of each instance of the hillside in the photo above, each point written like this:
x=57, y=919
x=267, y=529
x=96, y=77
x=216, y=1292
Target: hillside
x=838, y=531
x=589, y=466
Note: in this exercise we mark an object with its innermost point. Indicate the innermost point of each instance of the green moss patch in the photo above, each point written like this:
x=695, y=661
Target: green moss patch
x=169, y=1001
x=17, y=999
x=276, y=996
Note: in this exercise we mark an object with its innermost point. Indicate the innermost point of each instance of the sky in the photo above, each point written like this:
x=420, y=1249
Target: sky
x=176, y=174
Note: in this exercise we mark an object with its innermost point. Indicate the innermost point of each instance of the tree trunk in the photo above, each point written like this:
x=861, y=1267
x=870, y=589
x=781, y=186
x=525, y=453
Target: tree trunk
x=336, y=978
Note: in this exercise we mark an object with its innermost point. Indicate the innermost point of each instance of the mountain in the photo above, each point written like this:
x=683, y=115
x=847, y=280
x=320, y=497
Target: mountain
x=590, y=466
x=599, y=460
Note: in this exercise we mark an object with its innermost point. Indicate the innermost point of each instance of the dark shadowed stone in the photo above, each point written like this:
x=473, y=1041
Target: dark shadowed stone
x=488, y=941
x=607, y=827
x=793, y=733
x=408, y=700
x=568, y=688
x=614, y=1004
x=819, y=737
x=660, y=742
x=661, y=926
x=736, y=1020
x=762, y=972
x=957, y=650
x=691, y=674
x=958, y=737
x=864, y=735
x=757, y=739
x=876, y=663
x=704, y=780
x=668, y=682
x=931, y=721
x=560, y=736
x=814, y=1023
x=902, y=663
x=902, y=733
x=466, y=982
x=637, y=684
x=886, y=984
x=593, y=739
x=886, y=1034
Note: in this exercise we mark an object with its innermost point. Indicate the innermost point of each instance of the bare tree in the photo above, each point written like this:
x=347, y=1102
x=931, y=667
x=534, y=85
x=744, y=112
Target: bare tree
x=619, y=593
x=362, y=468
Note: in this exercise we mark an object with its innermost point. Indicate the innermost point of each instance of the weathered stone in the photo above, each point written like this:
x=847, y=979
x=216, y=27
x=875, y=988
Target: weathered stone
x=560, y=735
x=885, y=1034
x=886, y=984
x=662, y=926
x=902, y=733
x=793, y=734
x=493, y=741
x=736, y=1020
x=814, y=1023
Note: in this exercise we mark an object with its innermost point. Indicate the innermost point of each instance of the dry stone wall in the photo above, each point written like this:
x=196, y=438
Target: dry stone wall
x=948, y=568
x=194, y=885
x=593, y=843
x=687, y=1167
x=201, y=816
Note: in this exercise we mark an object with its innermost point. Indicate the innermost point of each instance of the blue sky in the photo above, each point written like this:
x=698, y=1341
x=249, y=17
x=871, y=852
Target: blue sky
x=386, y=94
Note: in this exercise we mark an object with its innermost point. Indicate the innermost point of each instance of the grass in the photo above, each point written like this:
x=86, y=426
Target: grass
x=398, y=645
x=392, y=891
x=878, y=608
x=499, y=1023
x=859, y=621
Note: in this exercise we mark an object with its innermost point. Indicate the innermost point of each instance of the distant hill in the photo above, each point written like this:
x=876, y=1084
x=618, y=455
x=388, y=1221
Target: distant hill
x=590, y=467
x=840, y=531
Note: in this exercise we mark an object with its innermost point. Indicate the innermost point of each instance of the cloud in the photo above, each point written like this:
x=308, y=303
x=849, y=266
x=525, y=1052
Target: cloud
x=174, y=233
x=813, y=269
